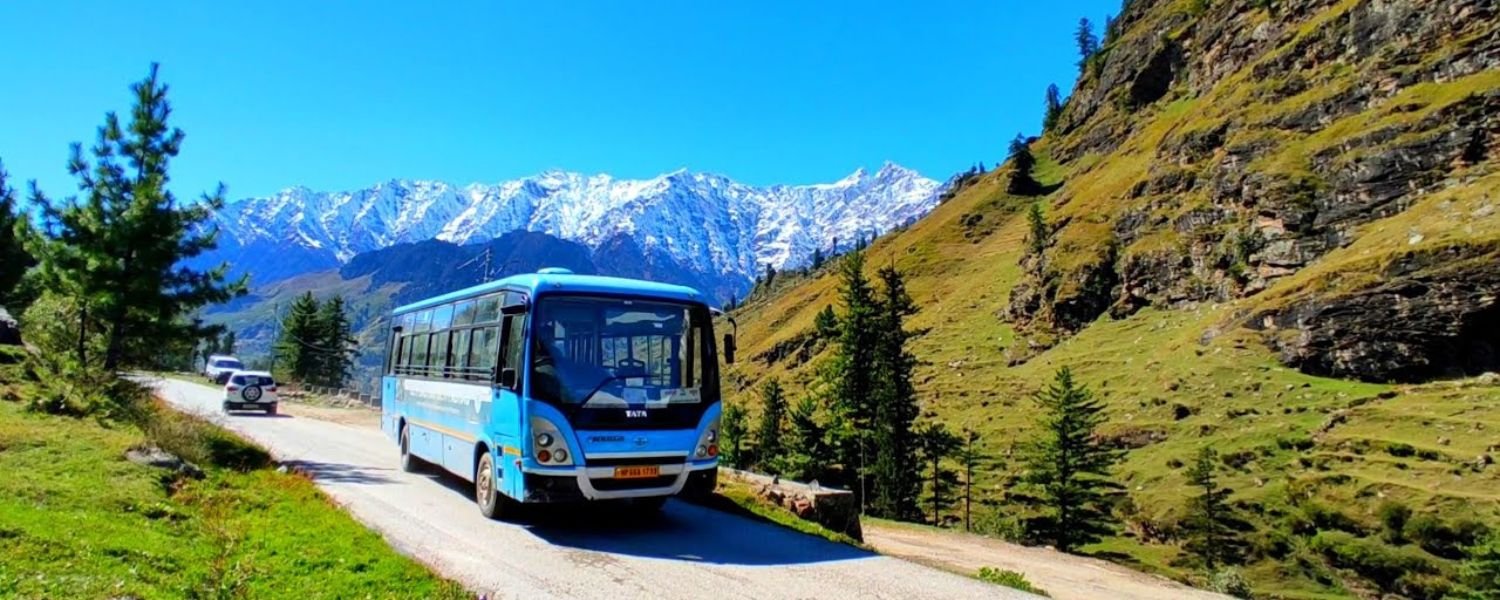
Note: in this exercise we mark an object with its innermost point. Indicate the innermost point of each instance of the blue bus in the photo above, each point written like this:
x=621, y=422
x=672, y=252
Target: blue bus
x=557, y=387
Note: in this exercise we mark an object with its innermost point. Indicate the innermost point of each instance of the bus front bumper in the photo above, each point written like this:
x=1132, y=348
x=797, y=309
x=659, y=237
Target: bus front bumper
x=573, y=484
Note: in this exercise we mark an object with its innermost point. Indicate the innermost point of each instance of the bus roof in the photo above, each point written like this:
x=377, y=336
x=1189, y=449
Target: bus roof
x=558, y=281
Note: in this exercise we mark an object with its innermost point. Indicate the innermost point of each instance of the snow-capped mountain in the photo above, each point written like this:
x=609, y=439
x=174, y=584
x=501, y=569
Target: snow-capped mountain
x=723, y=230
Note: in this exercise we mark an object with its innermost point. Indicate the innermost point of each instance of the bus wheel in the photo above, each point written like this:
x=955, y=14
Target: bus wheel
x=408, y=462
x=492, y=502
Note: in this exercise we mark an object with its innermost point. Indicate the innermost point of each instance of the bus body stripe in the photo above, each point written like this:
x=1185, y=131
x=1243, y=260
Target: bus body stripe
x=443, y=430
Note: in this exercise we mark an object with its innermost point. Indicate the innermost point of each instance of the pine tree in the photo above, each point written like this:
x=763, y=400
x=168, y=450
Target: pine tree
x=1067, y=474
x=970, y=459
x=1038, y=231
x=335, y=343
x=227, y=343
x=1212, y=527
x=770, y=275
x=768, y=441
x=120, y=249
x=826, y=323
x=12, y=253
x=297, y=348
x=1054, y=108
x=732, y=430
x=1479, y=573
x=851, y=374
x=1088, y=43
x=817, y=258
x=1022, y=162
x=897, y=479
x=807, y=452
x=938, y=444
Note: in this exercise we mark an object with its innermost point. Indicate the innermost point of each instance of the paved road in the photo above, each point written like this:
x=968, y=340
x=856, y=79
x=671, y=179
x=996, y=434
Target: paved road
x=687, y=552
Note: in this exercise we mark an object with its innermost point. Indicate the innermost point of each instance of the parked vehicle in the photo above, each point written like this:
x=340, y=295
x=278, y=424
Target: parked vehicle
x=218, y=367
x=555, y=387
x=250, y=390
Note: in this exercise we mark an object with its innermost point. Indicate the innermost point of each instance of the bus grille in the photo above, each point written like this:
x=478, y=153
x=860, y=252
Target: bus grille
x=635, y=460
x=615, y=485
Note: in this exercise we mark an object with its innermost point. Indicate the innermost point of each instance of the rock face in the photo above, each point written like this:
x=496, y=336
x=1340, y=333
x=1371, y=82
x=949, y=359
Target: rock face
x=1301, y=125
x=1437, y=315
x=832, y=508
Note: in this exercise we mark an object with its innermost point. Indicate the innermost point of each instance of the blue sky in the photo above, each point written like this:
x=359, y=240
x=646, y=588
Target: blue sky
x=342, y=94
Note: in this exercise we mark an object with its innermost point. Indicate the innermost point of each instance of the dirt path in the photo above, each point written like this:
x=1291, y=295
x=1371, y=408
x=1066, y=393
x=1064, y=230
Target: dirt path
x=1064, y=576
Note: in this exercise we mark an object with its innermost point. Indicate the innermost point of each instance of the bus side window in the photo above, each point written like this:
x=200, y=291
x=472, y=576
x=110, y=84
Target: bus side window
x=514, y=334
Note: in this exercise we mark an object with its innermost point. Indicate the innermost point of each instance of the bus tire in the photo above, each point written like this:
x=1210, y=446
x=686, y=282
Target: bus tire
x=492, y=503
x=409, y=463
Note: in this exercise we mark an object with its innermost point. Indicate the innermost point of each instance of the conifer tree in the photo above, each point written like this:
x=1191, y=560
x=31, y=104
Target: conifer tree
x=1054, y=108
x=1022, y=162
x=937, y=445
x=851, y=373
x=1037, y=230
x=732, y=429
x=334, y=343
x=1479, y=573
x=770, y=275
x=1067, y=474
x=768, y=441
x=897, y=479
x=119, y=250
x=970, y=460
x=1088, y=43
x=807, y=452
x=1212, y=527
x=227, y=343
x=13, y=254
x=297, y=348
x=826, y=323
x=817, y=258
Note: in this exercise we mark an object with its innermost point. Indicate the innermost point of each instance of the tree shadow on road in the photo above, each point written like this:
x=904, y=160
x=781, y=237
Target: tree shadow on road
x=338, y=472
x=686, y=532
x=681, y=531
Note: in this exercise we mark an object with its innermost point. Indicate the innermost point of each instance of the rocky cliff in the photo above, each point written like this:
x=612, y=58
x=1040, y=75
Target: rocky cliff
x=1215, y=149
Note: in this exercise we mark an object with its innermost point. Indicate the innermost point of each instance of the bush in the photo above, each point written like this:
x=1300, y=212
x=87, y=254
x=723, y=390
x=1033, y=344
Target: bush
x=1230, y=582
x=1444, y=539
x=1383, y=565
x=1000, y=524
x=1010, y=579
x=1393, y=518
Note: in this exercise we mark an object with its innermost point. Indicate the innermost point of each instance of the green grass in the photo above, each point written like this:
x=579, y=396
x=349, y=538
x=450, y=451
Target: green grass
x=739, y=498
x=77, y=520
x=1010, y=579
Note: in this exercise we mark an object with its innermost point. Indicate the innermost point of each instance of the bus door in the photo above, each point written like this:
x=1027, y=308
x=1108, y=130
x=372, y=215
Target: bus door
x=507, y=409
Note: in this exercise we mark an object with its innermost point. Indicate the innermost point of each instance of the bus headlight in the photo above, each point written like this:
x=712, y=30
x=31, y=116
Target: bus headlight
x=548, y=445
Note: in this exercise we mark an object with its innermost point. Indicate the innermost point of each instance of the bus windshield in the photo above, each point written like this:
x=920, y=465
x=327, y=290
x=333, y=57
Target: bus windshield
x=600, y=352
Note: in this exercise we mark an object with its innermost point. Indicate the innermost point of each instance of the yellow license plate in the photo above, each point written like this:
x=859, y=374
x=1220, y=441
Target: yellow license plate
x=637, y=472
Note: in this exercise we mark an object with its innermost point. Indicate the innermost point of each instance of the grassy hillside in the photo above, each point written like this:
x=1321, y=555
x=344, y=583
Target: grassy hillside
x=77, y=520
x=1313, y=458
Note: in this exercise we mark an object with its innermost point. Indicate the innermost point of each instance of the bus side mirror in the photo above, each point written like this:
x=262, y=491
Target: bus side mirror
x=728, y=348
x=508, y=378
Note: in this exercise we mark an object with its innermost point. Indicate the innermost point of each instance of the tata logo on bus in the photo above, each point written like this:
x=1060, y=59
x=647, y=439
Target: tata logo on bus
x=635, y=414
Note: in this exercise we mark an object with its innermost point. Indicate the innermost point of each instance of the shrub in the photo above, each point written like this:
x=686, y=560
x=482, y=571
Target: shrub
x=1230, y=582
x=1393, y=518
x=1400, y=449
x=1381, y=564
x=1010, y=579
x=1443, y=539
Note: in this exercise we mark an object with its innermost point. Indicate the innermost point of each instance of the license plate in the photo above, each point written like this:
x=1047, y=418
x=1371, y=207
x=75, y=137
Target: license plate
x=637, y=472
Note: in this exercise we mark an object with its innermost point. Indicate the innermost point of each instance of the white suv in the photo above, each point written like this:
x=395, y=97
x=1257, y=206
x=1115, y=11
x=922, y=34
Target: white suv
x=218, y=367
x=250, y=390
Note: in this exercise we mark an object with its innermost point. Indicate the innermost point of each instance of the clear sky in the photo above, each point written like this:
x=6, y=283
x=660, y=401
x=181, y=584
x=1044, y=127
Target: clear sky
x=342, y=94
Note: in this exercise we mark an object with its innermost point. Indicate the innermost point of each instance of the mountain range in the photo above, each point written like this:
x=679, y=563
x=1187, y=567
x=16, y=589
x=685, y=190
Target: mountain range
x=719, y=232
